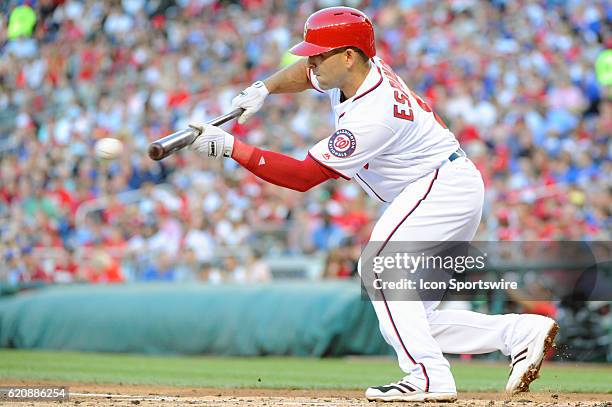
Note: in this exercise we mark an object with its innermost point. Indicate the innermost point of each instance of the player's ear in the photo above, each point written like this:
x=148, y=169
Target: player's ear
x=355, y=56
x=351, y=57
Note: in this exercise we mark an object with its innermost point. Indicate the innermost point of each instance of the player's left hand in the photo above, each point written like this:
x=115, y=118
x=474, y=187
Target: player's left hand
x=213, y=142
x=251, y=99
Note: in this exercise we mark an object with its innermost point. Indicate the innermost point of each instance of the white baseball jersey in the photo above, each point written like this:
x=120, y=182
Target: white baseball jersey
x=386, y=137
x=398, y=150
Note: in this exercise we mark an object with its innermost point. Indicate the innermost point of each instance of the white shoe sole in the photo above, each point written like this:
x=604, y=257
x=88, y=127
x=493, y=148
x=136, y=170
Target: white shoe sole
x=543, y=342
x=449, y=397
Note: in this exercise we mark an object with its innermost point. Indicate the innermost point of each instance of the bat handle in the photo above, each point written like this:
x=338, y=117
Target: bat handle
x=218, y=121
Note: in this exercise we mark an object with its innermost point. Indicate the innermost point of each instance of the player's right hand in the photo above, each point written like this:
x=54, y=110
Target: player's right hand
x=251, y=99
x=213, y=142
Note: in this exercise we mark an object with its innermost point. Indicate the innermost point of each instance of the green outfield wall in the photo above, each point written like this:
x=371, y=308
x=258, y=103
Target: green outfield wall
x=302, y=318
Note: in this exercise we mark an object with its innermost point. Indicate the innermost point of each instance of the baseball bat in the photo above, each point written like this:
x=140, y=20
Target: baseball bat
x=162, y=148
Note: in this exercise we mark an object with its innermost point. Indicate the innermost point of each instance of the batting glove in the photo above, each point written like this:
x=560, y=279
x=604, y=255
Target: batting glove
x=213, y=142
x=251, y=99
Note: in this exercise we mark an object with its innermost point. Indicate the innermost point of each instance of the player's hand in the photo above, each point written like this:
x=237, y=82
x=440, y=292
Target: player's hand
x=213, y=142
x=251, y=99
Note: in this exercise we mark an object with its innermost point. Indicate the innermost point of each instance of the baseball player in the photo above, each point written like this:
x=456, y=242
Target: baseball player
x=391, y=143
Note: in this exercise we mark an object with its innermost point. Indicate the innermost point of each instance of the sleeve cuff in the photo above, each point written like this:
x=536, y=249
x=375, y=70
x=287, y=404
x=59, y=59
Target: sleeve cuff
x=335, y=171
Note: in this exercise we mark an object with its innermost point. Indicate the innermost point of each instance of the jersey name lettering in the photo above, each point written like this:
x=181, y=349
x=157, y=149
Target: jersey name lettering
x=401, y=96
x=402, y=110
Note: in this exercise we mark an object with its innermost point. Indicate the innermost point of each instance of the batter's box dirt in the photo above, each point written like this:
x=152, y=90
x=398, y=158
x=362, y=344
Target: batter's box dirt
x=97, y=395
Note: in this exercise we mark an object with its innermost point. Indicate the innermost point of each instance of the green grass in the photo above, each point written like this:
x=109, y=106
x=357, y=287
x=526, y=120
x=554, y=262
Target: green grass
x=273, y=372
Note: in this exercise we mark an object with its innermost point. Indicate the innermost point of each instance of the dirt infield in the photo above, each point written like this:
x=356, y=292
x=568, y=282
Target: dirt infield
x=97, y=395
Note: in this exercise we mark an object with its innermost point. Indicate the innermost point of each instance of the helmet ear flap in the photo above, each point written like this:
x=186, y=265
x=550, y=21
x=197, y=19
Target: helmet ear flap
x=337, y=27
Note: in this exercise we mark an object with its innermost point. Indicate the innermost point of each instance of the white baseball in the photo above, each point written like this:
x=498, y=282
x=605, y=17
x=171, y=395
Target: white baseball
x=108, y=148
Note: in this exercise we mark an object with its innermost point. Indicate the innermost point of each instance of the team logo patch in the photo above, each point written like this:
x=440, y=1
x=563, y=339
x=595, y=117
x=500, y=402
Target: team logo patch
x=342, y=143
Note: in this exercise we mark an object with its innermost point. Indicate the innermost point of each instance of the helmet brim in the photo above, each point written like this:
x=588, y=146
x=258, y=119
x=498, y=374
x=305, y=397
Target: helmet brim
x=307, y=49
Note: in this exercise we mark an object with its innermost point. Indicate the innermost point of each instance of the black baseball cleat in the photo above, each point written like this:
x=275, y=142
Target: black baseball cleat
x=405, y=391
x=527, y=360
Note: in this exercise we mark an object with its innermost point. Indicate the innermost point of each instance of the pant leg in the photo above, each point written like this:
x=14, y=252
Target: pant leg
x=405, y=327
x=467, y=332
x=445, y=205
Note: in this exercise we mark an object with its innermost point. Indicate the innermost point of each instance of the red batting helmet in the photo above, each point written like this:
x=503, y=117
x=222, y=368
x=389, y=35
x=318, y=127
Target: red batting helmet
x=336, y=27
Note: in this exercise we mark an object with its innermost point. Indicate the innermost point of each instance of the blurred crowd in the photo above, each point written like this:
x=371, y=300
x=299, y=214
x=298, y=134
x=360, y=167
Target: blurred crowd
x=515, y=81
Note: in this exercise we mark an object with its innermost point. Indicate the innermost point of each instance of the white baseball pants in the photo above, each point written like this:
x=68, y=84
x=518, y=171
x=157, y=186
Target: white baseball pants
x=446, y=205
